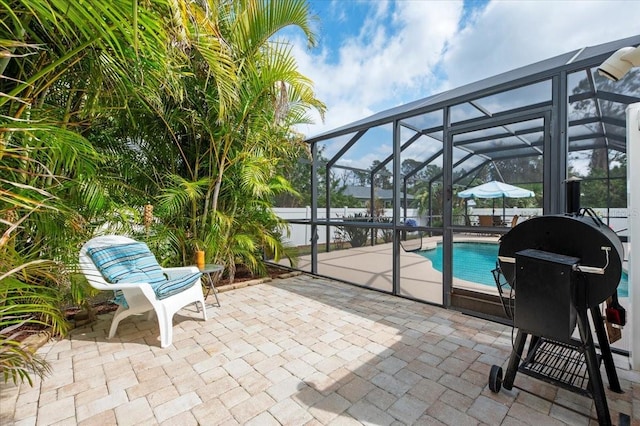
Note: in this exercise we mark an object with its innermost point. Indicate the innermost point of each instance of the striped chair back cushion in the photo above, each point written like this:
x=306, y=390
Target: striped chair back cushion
x=132, y=262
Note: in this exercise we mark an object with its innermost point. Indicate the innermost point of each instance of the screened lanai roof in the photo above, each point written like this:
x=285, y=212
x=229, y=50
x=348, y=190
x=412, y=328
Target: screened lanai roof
x=596, y=107
x=533, y=127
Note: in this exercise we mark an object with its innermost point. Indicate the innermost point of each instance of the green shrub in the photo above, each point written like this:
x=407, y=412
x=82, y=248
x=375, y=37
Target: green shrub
x=385, y=234
x=357, y=236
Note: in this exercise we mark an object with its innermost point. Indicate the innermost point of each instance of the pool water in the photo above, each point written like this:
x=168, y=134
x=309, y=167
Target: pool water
x=475, y=261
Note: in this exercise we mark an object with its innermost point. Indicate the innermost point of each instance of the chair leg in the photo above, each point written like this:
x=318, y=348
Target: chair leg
x=204, y=308
x=165, y=323
x=121, y=313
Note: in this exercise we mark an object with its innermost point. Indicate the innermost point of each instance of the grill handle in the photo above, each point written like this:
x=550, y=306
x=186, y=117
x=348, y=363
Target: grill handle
x=580, y=268
x=589, y=269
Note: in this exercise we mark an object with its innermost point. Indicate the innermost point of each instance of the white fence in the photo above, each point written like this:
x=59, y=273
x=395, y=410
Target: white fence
x=301, y=234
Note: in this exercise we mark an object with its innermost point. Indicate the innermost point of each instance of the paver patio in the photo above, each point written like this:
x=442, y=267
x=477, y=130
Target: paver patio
x=298, y=351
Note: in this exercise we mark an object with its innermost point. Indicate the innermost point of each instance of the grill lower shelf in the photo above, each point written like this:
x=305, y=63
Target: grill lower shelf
x=558, y=363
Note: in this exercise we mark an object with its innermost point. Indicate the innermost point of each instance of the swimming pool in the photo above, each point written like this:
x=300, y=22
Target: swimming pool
x=474, y=261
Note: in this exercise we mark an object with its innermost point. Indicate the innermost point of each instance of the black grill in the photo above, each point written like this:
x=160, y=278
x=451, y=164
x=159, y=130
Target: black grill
x=581, y=236
x=560, y=267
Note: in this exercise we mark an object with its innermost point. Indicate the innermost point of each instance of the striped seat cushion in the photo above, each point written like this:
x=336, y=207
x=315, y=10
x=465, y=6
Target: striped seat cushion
x=176, y=285
x=134, y=262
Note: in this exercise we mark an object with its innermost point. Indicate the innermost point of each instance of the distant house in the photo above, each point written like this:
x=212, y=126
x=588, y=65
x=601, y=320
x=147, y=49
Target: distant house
x=363, y=195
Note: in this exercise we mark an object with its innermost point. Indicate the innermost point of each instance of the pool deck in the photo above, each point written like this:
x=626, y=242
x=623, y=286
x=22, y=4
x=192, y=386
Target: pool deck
x=371, y=267
x=298, y=351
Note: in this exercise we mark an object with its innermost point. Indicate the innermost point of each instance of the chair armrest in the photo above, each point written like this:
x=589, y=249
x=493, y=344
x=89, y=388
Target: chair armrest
x=180, y=271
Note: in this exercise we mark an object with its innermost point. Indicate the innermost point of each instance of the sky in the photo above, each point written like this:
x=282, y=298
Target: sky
x=373, y=55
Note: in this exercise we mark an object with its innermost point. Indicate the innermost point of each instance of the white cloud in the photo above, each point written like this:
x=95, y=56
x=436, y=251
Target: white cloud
x=380, y=67
x=408, y=50
x=511, y=34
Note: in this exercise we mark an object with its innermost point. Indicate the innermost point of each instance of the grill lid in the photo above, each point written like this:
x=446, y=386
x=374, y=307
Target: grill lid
x=578, y=236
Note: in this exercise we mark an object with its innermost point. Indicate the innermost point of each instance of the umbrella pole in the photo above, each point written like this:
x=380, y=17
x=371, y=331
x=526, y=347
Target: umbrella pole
x=503, y=210
x=466, y=213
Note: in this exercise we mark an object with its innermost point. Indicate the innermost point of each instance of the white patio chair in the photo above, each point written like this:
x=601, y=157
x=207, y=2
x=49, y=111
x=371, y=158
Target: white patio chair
x=121, y=264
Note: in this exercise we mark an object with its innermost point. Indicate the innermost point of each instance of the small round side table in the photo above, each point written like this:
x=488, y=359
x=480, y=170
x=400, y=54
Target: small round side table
x=209, y=269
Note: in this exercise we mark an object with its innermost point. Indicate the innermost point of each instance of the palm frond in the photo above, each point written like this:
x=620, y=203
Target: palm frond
x=181, y=194
x=18, y=362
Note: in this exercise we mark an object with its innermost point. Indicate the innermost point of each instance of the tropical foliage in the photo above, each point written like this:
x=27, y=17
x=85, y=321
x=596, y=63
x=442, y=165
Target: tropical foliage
x=105, y=107
x=297, y=170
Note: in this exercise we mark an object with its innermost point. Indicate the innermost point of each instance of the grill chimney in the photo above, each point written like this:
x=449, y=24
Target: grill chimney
x=573, y=195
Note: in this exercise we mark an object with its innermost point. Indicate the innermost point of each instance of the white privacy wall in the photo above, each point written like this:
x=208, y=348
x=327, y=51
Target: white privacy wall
x=301, y=234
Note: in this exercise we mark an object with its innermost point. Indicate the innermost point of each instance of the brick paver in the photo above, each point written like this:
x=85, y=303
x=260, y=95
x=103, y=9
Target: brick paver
x=296, y=351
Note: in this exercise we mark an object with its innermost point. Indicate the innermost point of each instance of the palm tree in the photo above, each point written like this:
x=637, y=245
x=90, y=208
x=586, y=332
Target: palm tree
x=188, y=101
x=219, y=130
x=63, y=65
